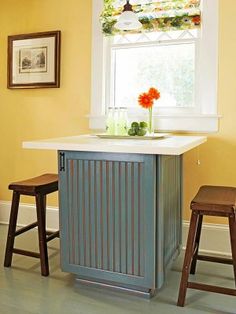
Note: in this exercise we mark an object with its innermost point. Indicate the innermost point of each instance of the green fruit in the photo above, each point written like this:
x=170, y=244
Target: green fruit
x=132, y=132
x=141, y=131
x=143, y=124
x=134, y=125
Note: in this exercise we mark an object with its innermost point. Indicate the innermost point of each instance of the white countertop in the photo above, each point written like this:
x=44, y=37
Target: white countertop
x=170, y=145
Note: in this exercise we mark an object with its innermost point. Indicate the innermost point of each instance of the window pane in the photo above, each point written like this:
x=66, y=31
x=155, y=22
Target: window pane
x=169, y=68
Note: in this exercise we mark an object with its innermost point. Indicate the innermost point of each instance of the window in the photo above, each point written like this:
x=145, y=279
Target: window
x=137, y=68
x=182, y=64
x=146, y=62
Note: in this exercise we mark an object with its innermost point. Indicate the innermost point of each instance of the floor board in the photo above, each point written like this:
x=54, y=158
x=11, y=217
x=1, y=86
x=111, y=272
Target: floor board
x=24, y=291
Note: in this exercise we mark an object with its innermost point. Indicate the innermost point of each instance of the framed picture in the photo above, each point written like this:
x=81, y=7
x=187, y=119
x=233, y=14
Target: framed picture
x=34, y=60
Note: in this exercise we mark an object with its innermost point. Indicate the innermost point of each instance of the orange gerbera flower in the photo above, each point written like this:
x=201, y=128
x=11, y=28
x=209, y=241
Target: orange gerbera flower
x=154, y=93
x=145, y=100
x=196, y=20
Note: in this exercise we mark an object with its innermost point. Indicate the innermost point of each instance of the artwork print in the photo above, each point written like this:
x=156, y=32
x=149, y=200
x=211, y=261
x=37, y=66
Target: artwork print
x=34, y=60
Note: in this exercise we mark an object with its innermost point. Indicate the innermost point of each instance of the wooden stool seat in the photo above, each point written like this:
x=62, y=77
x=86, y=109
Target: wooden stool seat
x=219, y=199
x=46, y=182
x=38, y=187
x=210, y=201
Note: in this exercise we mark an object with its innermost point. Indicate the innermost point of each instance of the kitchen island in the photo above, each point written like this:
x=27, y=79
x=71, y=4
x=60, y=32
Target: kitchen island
x=120, y=208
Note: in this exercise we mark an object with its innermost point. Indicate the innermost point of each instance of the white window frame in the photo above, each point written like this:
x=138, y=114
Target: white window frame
x=206, y=119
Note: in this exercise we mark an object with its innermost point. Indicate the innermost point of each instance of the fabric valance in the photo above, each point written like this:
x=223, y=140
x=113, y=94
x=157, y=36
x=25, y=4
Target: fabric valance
x=155, y=15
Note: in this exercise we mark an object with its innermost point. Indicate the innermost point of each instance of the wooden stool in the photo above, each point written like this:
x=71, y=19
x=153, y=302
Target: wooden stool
x=211, y=201
x=38, y=187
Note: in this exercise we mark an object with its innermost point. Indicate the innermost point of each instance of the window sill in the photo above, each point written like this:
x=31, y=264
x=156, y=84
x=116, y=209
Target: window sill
x=208, y=123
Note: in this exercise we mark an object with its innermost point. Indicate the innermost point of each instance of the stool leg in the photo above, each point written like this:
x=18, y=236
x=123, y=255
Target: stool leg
x=232, y=228
x=196, y=246
x=40, y=202
x=188, y=258
x=12, y=229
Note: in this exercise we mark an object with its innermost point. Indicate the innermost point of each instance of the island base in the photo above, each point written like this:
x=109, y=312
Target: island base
x=120, y=218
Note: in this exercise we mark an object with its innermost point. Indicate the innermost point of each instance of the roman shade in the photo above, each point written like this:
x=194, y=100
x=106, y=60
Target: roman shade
x=157, y=15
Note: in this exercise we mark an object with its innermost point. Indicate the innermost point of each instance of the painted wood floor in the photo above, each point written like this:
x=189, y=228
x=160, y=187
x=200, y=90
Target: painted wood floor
x=24, y=291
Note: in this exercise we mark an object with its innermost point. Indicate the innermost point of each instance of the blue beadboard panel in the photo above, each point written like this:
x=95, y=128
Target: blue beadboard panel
x=108, y=217
x=169, y=212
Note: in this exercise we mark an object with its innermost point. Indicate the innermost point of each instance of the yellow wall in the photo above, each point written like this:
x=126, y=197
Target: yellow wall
x=44, y=113
x=218, y=166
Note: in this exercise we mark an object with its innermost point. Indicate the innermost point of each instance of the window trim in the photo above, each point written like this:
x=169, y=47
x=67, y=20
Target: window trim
x=207, y=119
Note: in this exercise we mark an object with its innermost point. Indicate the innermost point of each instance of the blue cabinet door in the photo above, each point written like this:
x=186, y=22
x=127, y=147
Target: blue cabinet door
x=108, y=217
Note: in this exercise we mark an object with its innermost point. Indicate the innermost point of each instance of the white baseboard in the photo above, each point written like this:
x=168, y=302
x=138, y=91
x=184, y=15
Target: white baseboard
x=214, y=239
x=27, y=215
